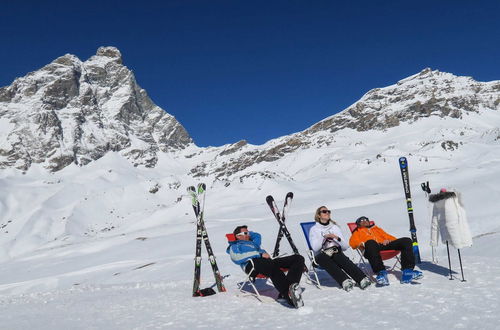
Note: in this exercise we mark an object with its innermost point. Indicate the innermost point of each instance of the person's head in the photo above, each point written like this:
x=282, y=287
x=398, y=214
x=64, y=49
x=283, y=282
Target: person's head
x=322, y=214
x=363, y=222
x=241, y=232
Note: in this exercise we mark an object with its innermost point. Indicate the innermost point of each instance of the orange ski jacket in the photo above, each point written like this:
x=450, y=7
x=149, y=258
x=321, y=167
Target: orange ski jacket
x=363, y=234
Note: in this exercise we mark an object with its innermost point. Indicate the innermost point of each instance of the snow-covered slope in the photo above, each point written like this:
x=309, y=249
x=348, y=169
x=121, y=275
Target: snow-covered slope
x=164, y=304
x=111, y=245
x=101, y=251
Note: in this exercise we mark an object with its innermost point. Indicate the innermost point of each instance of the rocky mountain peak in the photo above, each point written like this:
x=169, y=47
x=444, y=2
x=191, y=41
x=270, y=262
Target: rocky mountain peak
x=427, y=93
x=67, y=60
x=111, y=52
x=71, y=111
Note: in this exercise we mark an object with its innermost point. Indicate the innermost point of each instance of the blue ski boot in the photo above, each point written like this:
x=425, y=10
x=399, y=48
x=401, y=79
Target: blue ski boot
x=417, y=275
x=407, y=276
x=382, y=279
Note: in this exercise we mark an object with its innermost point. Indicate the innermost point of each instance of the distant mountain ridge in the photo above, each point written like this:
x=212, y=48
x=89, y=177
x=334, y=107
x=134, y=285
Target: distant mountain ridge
x=74, y=112
x=430, y=93
x=71, y=111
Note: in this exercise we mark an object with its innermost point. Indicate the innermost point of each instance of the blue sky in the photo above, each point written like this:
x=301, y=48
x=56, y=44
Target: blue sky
x=256, y=70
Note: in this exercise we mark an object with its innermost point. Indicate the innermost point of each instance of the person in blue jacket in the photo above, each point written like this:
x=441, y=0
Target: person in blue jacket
x=246, y=252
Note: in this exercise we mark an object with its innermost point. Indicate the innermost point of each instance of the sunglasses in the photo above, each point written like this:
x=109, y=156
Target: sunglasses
x=362, y=219
x=243, y=233
x=325, y=211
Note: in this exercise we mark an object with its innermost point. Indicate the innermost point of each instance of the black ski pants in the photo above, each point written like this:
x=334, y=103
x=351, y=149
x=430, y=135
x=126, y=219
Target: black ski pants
x=404, y=244
x=272, y=269
x=340, y=267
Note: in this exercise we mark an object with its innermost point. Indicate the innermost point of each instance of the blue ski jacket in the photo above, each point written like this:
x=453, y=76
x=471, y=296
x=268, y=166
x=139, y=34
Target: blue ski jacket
x=241, y=251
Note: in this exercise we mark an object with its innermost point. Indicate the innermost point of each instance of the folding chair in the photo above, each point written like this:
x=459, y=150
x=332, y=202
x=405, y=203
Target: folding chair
x=249, y=279
x=386, y=254
x=306, y=227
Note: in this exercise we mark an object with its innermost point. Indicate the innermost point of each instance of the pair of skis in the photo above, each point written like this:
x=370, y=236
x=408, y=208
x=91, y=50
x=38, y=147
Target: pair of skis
x=198, y=194
x=280, y=217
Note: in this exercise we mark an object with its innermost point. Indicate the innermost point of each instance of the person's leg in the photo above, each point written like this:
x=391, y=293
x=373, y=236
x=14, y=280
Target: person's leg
x=405, y=245
x=331, y=267
x=295, y=266
x=269, y=268
x=372, y=253
x=348, y=266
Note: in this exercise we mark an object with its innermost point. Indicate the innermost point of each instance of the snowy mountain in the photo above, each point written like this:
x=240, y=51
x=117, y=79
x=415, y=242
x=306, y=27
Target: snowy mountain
x=96, y=230
x=74, y=112
x=453, y=111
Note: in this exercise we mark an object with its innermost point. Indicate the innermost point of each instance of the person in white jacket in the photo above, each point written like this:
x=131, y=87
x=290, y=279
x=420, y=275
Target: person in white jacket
x=328, y=245
x=449, y=220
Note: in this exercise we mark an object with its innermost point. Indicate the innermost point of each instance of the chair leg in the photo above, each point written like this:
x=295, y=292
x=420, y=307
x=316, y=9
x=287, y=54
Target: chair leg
x=255, y=289
x=312, y=262
x=317, y=279
x=398, y=261
x=249, y=281
x=366, y=266
x=314, y=280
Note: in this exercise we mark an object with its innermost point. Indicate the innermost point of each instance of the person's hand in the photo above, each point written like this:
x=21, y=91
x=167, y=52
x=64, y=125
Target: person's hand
x=386, y=242
x=266, y=255
x=333, y=236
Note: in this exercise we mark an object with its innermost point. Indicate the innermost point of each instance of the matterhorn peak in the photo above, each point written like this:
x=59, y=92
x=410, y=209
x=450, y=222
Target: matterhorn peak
x=74, y=112
x=111, y=53
x=104, y=56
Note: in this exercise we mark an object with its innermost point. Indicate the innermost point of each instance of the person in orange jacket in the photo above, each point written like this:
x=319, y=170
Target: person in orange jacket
x=371, y=239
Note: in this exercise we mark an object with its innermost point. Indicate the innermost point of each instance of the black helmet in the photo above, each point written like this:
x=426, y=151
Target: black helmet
x=358, y=221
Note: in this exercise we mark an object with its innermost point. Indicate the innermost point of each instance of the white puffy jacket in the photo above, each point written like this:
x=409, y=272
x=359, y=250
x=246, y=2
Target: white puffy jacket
x=449, y=220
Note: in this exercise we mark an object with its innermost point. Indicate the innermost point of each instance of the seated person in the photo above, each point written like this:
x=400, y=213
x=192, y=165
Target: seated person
x=328, y=245
x=371, y=239
x=246, y=252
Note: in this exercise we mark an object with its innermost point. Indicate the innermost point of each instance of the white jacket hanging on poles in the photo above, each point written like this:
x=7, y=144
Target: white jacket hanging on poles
x=449, y=220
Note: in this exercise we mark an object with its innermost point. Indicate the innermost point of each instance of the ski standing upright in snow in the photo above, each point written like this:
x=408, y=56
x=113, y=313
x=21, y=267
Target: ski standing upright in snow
x=198, y=194
x=403, y=166
x=281, y=220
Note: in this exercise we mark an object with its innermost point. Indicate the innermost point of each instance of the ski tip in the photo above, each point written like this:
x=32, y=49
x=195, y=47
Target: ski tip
x=191, y=189
x=402, y=162
x=289, y=195
x=269, y=198
x=202, y=186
